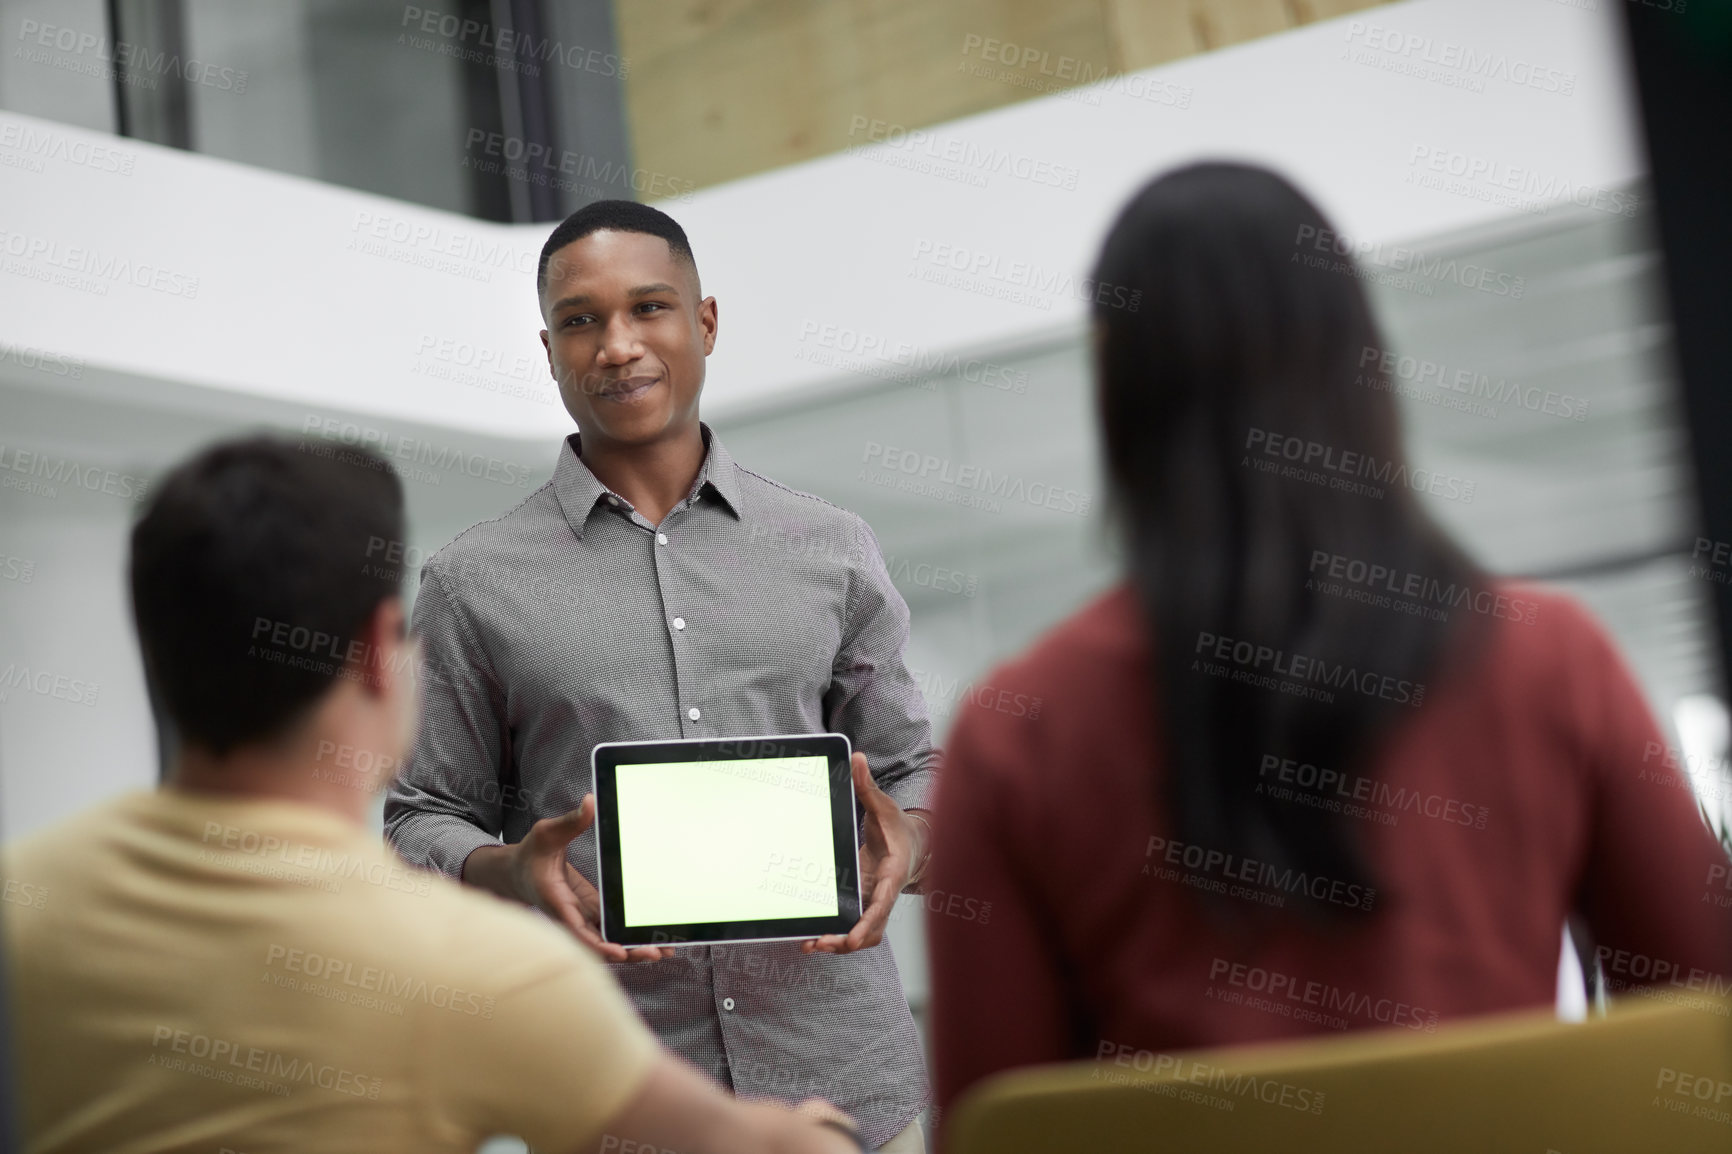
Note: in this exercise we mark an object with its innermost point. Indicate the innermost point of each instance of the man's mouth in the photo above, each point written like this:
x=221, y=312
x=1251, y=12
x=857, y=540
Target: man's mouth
x=629, y=389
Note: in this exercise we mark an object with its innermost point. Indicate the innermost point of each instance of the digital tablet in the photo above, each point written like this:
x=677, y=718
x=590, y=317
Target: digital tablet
x=745, y=839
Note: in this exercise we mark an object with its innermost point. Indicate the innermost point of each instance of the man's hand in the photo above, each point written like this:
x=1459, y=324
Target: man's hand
x=535, y=872
x=893, y=845
x=678, y=1108
x=824, y=1113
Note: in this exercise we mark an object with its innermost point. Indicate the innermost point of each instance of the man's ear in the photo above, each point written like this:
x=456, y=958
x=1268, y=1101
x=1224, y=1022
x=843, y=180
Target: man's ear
x=709, y=320
x=375, y=662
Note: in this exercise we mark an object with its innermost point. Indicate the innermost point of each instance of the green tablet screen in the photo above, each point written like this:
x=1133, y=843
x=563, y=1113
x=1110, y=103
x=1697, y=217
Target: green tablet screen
x=726, y=841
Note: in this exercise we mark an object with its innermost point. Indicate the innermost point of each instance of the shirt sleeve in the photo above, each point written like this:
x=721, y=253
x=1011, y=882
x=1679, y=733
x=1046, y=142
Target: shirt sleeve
x=872, y=697
x=446, y=802
x=998, y=993
x=550, y=1060
x=1652, y=861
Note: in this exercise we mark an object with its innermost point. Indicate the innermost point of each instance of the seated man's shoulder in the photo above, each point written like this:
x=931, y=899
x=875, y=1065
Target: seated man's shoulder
x=465, y=931
x=74, y=844
x=41, y=866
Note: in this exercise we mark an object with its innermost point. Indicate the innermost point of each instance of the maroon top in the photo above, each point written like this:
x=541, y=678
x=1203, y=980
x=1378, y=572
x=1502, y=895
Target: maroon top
x=1063, y=920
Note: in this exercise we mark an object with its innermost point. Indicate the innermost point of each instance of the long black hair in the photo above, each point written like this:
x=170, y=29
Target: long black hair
x=1253, y=453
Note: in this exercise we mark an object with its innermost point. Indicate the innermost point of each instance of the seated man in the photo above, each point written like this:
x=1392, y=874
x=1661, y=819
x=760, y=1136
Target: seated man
x=234, y=960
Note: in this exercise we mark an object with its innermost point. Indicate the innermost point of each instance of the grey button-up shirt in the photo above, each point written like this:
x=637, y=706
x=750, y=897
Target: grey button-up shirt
x=752, y=609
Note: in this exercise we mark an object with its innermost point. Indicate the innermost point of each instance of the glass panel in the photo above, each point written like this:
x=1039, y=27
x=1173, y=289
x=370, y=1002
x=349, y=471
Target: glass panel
x=335, y=90
x=57, y=62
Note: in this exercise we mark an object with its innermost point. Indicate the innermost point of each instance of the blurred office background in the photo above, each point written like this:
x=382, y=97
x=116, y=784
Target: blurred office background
x=323, y=216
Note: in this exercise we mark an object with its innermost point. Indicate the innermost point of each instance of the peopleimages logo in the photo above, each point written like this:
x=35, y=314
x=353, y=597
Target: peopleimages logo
x=1070, y=77
x=231, y=1061
x=1194, y=863
x=1470, y=384
x=1290, y=780
x=366, y=979
x=396, y=447
x=29, y=895
x=1719, y=876
x=235, y=845
x=1297, y=670
x=1429, y=597
x=1026, y=276
x=1306, y=455
x=1700, y=775
x=542, y=165
x=1270, y=1091
x=1400, y=259
x=1681, y=1086
x=944, y=694
x=64, y=471
x=90, y=269
x=507, y=48
x=973, y=477
x=133, y=59
x=488, y=370
x=1427, y=57
x=417, y=242
x=46, y=683
x=1514, y=186
x=968, y=156
x=38, y=145
x=31, y=357
x=917, y=364
x=1625, y=969
x=1274, y=984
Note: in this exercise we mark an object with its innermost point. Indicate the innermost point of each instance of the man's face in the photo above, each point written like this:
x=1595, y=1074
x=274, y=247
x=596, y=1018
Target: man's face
x=626, y=336
x=396, y=684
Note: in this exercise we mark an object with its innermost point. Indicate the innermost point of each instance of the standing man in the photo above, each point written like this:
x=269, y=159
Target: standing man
x=655, y=589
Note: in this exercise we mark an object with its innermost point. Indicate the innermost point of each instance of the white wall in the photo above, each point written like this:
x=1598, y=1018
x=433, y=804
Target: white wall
x=89, y=733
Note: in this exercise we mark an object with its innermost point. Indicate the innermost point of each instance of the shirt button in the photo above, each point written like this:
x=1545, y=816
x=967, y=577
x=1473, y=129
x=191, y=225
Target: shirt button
x=693, y=713
x=661, y=538
x=727, y=1003
x=679, y=622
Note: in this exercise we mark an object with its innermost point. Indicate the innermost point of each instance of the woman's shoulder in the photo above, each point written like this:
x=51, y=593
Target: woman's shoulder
x=1548, y=623
x=1542, y=651
x=1108, y=639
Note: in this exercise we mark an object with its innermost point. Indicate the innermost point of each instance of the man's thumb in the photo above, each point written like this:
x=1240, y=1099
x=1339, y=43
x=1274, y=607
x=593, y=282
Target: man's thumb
x=864, y=786
x=565, y=828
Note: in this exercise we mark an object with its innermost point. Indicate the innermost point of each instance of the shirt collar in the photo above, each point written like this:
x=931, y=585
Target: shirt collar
x=579, y=490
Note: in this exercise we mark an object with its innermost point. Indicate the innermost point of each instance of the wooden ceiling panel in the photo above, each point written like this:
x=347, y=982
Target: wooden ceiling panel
x=720, y=89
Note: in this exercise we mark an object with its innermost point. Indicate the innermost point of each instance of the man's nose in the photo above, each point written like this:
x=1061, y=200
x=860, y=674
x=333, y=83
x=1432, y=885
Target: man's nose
x=620, y=343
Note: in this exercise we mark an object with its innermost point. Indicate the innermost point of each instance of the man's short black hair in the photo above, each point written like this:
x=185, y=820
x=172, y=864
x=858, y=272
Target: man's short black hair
x=620, y=216
x=252, y=571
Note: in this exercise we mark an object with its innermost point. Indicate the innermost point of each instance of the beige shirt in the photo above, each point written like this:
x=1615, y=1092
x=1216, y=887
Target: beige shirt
x=193, y=973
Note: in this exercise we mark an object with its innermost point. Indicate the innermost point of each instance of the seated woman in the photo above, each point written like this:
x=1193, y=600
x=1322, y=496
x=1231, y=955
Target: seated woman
x=1306, y=768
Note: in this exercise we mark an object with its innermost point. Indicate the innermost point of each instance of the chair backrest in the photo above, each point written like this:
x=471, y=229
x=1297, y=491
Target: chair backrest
x=1652, y=1077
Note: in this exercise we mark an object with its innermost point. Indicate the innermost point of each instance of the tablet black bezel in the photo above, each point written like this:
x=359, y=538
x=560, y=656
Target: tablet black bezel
x=607, y=757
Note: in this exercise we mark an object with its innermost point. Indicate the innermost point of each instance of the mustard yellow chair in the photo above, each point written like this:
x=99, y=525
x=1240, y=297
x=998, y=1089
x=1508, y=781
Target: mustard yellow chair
x=1651, y=1077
